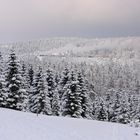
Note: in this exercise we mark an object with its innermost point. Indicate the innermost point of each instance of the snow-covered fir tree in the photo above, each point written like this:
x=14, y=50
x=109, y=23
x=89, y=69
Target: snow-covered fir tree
x=56, y=104
x=65, y=78
x=96, y=107
x=134, y=107
x=30, y=82
x=124, y=116
x=71, y=99
x=13, y=83
x=40, y=101
x=84, y=96
x=3, y=92
x=57, y=79
x=108, y=100
x=116, y=106
x=102, y=114
x=50, y=85
x=24, y=88
x=30, y=74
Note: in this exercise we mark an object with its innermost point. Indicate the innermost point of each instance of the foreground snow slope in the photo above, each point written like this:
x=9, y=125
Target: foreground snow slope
x=25, y=126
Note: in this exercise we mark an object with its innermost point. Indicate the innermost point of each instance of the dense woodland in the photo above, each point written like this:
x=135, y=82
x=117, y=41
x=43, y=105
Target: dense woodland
x=106, y=92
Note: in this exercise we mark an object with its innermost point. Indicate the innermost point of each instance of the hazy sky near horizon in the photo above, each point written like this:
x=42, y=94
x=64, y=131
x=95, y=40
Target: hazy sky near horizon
x=30, y=19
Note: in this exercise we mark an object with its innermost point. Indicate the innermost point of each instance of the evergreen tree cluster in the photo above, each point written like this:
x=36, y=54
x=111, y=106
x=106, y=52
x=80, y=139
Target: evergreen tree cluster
x=121, y=106
x=42, y=92
x=68, y=93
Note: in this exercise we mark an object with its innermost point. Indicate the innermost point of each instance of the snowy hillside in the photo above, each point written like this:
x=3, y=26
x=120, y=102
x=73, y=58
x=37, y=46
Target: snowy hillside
x=105, y=47
x=25, y=126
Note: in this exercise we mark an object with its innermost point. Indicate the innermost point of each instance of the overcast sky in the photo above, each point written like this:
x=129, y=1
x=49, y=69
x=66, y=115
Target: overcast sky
x=30, y=19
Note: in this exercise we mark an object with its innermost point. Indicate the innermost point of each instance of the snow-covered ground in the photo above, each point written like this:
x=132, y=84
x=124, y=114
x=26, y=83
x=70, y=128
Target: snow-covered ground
x=26, y=126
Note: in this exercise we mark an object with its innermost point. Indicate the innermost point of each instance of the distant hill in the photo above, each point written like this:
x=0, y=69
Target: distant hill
x=125, y=47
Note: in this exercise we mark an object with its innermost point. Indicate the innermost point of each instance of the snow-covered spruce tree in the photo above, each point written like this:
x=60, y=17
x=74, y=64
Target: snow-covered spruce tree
x=56, y=104
x=84, y=97
x=63, y=82
x=132, y=111
x=116, y=105
x=134, y=107
x=3, y=101
x=108, y=99
x=30, y=82
x=31, y=75
x=96, y=107
x=121, y=107
x=124, y=116
x=50, y=85
x=71, y=99
x=102, y=114
x=57, y=79
x=40, y=101
x=137, y=115
x=24, y=87
x=13, y=83
x=55, y=98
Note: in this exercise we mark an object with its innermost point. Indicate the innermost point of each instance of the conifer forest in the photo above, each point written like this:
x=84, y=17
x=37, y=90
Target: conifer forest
x=107, y=91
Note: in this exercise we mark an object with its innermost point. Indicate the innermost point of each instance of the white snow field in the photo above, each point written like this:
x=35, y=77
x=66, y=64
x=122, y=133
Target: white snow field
x=26, y=126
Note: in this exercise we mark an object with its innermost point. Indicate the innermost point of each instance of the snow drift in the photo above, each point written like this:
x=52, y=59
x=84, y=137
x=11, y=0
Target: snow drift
x=26, y=126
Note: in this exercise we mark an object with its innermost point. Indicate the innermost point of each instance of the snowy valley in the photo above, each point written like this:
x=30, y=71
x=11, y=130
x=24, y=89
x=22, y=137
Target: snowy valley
x=70, y=88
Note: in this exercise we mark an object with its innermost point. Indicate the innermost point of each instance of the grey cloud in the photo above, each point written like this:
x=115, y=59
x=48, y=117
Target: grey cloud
x=88, y=18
